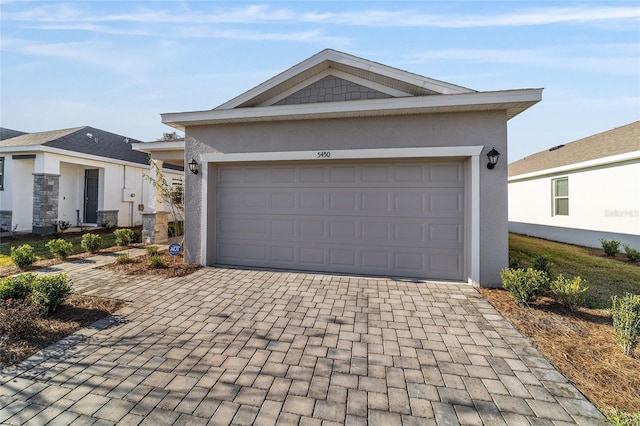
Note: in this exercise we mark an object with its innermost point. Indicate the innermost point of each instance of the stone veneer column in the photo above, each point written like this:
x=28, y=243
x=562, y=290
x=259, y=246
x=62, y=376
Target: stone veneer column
x=46, y=191
x=155, y=227
x=107, y=217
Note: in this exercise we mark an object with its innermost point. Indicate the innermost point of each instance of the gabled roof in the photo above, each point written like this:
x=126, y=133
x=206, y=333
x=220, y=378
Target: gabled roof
x=86, y=140
x=378, y=90
x=9, y=133
x=621, y=140
x=331, y=60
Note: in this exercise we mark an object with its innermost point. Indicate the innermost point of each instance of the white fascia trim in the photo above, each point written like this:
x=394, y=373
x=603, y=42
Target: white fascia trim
x=73, y=154
x=149, y=147
x=634, y=155
x=344, y=154
x=348, y=60
x=413, y=104
x=343, y=75
x=474, y=273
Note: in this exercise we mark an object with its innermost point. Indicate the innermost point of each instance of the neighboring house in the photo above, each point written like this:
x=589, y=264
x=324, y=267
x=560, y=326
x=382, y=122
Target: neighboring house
x=344, y=165
x=580, y=192
x=84, y=176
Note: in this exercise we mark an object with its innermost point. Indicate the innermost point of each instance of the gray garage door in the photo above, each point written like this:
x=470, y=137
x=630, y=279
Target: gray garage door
x=393, y=218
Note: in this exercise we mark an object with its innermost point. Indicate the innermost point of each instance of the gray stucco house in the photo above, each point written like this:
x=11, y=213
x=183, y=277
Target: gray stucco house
x=344, y=165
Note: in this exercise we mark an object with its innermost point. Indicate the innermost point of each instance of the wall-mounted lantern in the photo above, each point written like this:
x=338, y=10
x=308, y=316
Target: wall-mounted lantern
x=193, y=166
x=493, y=156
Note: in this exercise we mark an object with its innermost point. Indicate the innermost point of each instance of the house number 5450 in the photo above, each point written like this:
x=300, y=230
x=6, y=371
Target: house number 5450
x=324, y=154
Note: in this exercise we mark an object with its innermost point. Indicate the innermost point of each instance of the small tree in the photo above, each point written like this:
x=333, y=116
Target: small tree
x=173, y=195
x=173, y=136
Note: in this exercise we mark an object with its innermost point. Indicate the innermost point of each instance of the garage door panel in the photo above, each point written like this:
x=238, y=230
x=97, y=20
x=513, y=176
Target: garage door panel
x=391, y=219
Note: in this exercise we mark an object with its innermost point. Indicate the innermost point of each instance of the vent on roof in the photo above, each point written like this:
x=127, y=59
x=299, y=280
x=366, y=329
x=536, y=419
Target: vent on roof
x=556, y=147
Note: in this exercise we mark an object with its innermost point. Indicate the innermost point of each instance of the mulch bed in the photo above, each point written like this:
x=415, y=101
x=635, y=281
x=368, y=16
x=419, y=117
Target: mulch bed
x=580, y=345
x=141, y=265
x=77, y=312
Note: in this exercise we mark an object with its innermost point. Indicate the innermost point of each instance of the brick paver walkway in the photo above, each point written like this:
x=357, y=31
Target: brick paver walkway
x=225, y=346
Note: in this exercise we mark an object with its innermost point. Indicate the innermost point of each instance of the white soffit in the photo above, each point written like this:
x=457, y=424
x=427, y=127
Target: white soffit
x=512, y=101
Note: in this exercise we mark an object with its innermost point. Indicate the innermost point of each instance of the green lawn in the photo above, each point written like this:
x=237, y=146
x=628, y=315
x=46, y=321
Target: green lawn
x=42, y=252
x=605, y=276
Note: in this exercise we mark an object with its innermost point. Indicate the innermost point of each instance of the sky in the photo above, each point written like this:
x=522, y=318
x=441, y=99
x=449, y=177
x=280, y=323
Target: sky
x=116, y=65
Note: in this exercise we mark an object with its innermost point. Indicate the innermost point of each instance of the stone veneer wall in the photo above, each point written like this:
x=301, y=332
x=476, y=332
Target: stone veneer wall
x=155, y=228
x=46, y=190
x=6, y=217
x=107, y=216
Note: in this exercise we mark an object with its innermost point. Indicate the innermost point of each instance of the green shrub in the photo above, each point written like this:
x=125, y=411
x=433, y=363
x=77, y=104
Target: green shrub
x=632, y=254
x=151, y=250
x=123, y=258
x=50, y=290
x=618, y=417
x=543, y=263
x=570, y=292
x=137, y=236
x=17, y=287
x=610, y=247
x=22, y=256
x=124, y=236
x=155, y=261
x=525, y=285
x=60, y=248
x=625, y=312
x=91, y=242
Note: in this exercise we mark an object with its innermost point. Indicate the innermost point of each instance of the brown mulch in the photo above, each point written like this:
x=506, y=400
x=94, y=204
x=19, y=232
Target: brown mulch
x=580, y=345
x=140, y=265
x=77, y=311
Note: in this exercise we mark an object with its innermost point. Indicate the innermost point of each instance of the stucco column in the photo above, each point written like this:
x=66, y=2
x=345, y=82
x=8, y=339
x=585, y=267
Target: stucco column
x=154, y=198
x=155, y=221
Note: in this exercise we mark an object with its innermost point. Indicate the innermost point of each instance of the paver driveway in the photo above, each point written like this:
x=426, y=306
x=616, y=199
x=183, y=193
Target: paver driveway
x=228, y=346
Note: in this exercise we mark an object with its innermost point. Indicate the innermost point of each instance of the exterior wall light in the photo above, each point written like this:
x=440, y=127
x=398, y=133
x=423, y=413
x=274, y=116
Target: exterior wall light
x=193, y=166
x=493, y=156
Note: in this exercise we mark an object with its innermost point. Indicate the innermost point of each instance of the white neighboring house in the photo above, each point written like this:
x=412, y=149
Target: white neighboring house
x=580, y=192
x=84, y=176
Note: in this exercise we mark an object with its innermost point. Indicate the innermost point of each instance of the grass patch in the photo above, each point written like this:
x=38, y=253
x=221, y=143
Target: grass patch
x=42, y=251
x=606, y=276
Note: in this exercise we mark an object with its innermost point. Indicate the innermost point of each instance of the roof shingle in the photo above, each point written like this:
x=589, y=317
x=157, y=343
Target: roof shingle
x=617, y=141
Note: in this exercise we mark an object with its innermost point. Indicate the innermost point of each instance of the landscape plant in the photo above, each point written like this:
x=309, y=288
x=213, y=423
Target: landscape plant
x=51, y=290
x=525, y=285
x=633, y=255
x=610, y=247
x=17, y=287
x=155, y=261
x=625, y=312
x=543, y=263
x=123, y=258
x=172, y=195
x=137, y=236
x=60, y=248
x=22, y=256
x=123, y=236
x=570, y=292
x=151, y=250
x=91, y=242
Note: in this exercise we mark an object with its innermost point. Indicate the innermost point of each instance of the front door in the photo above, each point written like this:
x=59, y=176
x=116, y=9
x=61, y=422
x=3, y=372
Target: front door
x=90, y=196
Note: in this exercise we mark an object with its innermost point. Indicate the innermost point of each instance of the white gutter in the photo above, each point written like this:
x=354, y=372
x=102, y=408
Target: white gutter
x=634, y=155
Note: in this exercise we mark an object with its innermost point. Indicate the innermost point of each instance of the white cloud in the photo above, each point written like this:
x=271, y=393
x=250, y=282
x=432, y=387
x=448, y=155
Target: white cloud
x=620, y=59
x=251, y=14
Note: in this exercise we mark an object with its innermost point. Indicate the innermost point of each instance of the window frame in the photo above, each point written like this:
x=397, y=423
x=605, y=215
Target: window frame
x=2, y=173
x=555, y=197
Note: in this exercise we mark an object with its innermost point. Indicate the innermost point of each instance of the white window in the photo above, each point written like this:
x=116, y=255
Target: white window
x=560, y=188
